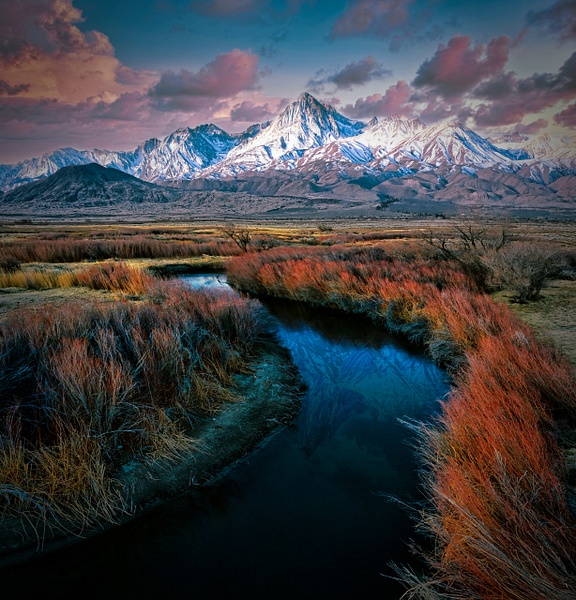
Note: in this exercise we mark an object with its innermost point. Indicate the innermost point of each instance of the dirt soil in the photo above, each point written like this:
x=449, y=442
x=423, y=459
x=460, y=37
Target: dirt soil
x=552, y=317
x=271, y=394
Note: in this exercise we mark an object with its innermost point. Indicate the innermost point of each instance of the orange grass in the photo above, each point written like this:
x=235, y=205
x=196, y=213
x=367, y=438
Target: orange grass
x=111, y=276
x=127, y=247
x=493, y=470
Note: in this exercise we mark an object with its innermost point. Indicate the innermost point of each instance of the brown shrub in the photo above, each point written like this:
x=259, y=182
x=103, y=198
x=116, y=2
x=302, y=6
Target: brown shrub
x=82, y=385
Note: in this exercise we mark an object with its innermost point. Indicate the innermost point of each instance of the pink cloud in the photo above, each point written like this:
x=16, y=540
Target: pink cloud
x=249, y=112
x=131, y=106
x=517, y=98
x=394, y=101
x=238, y=8
x=567, y=118
x=459, y=66
x=225, y=8
x=43, y=54
x=51, y=24
x=224, y=77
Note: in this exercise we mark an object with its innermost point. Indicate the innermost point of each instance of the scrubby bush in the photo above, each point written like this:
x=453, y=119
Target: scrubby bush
x=494, y=262
x=9, y=264
x=524, y=267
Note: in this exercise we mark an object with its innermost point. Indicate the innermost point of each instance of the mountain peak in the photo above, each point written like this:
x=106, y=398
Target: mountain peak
x=305, y=104
x=307, y=98
x=309, y=113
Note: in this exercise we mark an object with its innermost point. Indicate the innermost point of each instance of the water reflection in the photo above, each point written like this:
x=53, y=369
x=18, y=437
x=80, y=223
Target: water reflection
x=353, y=371
x=203, y=281
x=304, y=517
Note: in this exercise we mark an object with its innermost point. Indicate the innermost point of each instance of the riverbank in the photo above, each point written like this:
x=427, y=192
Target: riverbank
x=494, y=470
x=137, y=452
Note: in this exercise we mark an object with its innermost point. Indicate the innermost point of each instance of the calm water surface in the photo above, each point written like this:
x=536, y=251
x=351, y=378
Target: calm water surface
x=306, y=516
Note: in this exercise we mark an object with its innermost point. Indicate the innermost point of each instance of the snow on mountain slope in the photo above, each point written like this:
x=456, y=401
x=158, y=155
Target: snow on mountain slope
x=178, y=156
x=391, y=132
x=301, y=126
x=453, y=145
x=394, y=147
x=313, y=142
x=545, y=147
x=183, y=153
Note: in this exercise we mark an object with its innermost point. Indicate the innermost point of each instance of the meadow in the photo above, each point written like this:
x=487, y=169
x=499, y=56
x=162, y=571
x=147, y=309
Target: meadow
x=125, y=372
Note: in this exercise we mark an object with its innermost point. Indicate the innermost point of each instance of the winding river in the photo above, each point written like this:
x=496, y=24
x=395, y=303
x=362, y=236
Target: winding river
x=308, y=515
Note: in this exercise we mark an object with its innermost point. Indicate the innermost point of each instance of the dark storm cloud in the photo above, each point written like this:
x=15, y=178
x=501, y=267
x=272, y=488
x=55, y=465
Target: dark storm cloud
x=358, y=73
x=12, y=90
x=353, y=74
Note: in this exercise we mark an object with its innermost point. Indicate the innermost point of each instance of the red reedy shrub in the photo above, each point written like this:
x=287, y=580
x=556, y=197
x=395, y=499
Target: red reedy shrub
x=77, y=250
x=493, y=469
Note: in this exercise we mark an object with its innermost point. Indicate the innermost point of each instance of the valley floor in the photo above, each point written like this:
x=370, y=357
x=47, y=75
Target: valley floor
x=31, y=254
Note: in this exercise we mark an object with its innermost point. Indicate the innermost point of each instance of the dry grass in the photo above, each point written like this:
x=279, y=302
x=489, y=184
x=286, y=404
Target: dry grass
x=84, y=387
x=552, y=317
x=110, y=276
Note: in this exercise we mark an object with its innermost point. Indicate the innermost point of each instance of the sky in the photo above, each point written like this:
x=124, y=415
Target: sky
x=113, y=73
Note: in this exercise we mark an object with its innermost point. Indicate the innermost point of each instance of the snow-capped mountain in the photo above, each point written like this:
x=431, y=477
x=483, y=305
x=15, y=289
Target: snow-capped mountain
x=300, y=127
x=177, y=156
x=310, y=148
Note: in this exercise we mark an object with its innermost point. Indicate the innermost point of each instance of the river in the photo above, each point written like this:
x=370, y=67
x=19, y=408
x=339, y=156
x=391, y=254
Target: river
x=308, y=515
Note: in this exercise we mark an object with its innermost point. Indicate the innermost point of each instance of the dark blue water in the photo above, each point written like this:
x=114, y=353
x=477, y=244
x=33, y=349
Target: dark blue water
x=308, y=515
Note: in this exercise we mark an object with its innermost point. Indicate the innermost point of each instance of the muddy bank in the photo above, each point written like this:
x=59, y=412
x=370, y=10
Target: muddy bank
x=270, y=393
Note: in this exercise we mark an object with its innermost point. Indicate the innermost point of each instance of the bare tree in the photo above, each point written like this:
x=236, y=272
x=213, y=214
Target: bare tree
x=241, y=237
x=487, y=254
x=523, y=268
x=471, y=244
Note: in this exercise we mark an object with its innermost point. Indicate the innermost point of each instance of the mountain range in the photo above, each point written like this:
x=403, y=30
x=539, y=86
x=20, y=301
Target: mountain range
x=311, y=152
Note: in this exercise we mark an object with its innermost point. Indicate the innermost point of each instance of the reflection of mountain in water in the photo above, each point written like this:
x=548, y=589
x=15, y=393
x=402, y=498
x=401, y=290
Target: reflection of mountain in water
x=353, y=370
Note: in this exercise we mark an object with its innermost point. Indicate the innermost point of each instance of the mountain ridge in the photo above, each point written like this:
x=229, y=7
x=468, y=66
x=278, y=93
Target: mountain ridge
x=311, y=148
